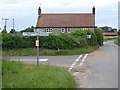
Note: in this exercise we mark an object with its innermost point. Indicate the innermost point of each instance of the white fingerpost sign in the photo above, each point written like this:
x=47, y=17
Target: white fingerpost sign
x=37, y=32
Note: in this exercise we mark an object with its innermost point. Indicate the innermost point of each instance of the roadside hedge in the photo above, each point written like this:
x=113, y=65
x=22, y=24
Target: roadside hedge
x=83, y=34
x=75, y=39
x=61, y=41
x=16, y=41
x=99, y=34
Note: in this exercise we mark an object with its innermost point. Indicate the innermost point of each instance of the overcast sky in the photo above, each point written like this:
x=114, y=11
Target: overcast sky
x=25, y=11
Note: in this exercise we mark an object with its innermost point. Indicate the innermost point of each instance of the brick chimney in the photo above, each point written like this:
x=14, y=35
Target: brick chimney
x=93, y=10
x=39, y=11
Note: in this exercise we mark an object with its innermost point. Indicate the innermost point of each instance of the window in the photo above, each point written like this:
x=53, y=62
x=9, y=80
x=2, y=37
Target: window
x=85, y=28
x=49, y=30
x=62, y=30
x=68, y=30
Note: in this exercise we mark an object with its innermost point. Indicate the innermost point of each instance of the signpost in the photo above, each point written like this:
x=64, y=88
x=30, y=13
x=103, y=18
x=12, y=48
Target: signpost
x=88, y=37
x=37, y=32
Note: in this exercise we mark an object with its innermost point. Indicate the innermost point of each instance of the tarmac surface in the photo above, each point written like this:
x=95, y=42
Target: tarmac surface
x=95, y=70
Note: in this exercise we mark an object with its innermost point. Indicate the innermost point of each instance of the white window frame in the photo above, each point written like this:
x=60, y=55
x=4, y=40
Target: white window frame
x=85, y=28
x=62, y=30
x=68, y=30
x=49, y=30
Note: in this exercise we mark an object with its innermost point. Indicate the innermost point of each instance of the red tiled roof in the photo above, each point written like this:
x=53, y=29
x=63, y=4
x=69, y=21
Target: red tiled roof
x=66, y=20
x=110, y=33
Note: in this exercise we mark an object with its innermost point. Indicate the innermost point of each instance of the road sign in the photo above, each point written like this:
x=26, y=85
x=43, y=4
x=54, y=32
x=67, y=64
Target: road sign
x=88, y=36
x=29, y=34
x=37, y=43
x=35, y=34
x=38, y=30
x=43, y=34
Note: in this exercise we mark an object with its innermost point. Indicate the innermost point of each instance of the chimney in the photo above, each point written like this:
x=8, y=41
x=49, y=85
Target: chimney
x=93, y=10
x=39, y=11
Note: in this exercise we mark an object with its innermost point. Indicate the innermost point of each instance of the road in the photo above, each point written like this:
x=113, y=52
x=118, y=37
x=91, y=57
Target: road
x=61, y=61
x=99, y=70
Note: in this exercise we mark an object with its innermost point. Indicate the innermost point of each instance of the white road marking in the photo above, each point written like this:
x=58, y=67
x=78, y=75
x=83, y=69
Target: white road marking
x=81, y=63
x=43, y=60
x=40, y=60
x=70, y=68
x=75, y=73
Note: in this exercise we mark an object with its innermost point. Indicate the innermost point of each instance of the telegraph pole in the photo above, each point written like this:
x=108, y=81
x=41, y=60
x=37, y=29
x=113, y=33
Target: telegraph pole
x=13, y=23
x=5, y=19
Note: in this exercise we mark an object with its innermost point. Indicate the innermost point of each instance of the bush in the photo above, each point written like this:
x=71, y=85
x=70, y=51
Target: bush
x=83, y=34
x=99, y=34
x=16, y=41
x=62, y=41
x=7, y=40
x=119, y=32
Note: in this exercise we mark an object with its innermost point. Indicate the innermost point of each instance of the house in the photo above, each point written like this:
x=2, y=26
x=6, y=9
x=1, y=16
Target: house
x=65, y=22
x=110, y=34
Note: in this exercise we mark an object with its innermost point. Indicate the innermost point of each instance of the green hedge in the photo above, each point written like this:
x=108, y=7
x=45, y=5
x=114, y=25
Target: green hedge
x=83, y=34
x=16, y=41
x=99, y=34
x=61, y=41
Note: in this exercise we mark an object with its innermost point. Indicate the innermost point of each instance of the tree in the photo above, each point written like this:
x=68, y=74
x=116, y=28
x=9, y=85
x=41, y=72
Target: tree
x=4, y=30
x=99, y=34
x=119, y=32
x=29, y=29
x=13, y=31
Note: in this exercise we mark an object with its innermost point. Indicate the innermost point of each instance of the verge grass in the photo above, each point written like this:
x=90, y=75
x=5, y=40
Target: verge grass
x=117, y=41
x=106, y=38
x=48, y=52
x=18, y=75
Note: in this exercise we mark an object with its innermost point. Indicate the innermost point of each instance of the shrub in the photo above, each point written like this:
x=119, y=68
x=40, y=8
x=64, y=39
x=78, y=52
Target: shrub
x=16, y=41
x=62, y=41
x=99, y=34
x=119, y=32
x=83, y=34
x=7, y=40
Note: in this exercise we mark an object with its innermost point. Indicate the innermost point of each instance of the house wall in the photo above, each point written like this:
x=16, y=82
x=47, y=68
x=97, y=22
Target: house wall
x=58, y=30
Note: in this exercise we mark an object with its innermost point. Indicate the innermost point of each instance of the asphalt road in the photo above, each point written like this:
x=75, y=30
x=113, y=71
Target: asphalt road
x=100, y=69
x=61, y=61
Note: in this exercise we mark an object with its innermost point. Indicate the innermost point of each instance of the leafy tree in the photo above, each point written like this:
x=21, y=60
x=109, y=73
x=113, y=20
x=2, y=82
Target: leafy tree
x=29, y=29
x=99, y=34
x=119, y=32
x=13, y=31
x=4, y=30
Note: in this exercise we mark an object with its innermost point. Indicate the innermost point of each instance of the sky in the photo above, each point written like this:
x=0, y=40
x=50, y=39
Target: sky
x=25, y=12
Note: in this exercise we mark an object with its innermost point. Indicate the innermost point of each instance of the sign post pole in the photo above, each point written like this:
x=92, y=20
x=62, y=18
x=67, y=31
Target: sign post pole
x=38, y=51
x=37, y=32
x=88, y=37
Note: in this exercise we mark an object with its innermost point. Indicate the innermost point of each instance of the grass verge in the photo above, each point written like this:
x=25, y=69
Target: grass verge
x=117, y=41
x=47, y=52
x=18, y=75
x=106, y=38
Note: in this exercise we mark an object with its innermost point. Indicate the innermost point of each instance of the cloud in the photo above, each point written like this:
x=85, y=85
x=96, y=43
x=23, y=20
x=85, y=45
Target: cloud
x=25, y=11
